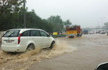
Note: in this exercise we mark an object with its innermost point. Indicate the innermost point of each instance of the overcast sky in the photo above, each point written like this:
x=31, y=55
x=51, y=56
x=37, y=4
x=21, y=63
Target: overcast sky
x=87, y=13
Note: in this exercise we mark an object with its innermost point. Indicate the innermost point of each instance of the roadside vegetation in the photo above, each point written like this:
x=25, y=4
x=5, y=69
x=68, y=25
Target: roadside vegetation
x=12, y=16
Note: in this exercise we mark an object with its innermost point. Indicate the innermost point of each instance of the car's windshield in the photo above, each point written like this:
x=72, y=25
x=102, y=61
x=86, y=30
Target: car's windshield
x=11, y=33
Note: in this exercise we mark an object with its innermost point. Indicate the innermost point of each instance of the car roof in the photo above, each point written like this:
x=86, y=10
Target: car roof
x=25, y=29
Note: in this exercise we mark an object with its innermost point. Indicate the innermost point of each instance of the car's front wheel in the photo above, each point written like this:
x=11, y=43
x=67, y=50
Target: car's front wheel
x=52, y=44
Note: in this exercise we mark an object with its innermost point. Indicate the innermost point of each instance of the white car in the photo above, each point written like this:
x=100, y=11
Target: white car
x=21, y=40
x=103, y=32
x=91, y=32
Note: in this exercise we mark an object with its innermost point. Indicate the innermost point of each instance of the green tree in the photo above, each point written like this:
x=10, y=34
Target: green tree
x=9, y=11
x=106, y=25
x=57, y=22
x=12, y=16
x=67, y=22
x=34, y=21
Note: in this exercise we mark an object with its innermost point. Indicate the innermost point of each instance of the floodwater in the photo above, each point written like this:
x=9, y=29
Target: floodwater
x=80, y=53
x=91, y=51
x=22, y=61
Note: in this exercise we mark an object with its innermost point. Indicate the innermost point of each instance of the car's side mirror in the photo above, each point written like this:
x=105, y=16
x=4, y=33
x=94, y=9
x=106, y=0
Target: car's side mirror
x=102, y=66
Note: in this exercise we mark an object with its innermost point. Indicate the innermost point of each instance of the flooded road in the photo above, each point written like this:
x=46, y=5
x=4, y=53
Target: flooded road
x=22, y=61
x=83, y=53
x=91, y=51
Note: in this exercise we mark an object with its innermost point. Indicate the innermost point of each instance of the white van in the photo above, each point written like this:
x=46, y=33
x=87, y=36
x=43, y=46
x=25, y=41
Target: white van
x=21, y=40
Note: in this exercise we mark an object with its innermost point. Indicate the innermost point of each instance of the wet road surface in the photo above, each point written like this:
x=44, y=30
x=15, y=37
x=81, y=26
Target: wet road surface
x=82, y=53
x=91, y=51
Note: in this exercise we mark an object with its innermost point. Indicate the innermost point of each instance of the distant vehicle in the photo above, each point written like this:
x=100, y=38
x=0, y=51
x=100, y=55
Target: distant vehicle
x=63, y=34
x=21, y=40
x=85, y=32
x=55, y=34
x=107, y=32
x=72, y=31
x=91, y=32
x=94, y=32
x=98, y=31
x=102, y=31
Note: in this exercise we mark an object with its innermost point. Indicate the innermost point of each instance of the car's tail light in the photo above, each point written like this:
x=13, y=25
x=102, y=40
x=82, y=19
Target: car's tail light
x=1, y=38
x=19, y=38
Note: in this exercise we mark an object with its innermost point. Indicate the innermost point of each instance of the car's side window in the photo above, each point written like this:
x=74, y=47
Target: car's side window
x=43, y=33
x=35, y=33
x=26, y=33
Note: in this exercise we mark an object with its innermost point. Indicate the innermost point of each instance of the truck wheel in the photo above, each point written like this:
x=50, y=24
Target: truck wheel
x=81, y=34
x=78, y=35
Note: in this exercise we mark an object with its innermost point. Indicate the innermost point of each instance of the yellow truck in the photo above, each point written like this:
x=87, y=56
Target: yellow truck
x=73, y=31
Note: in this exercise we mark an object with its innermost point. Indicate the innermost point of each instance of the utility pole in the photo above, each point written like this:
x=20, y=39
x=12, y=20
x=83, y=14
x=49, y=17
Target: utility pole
x=24, y=15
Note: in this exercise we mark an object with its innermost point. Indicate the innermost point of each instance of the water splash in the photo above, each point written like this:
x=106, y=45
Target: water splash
x=22, y=61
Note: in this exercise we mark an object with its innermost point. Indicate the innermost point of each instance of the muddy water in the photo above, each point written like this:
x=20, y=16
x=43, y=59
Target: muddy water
x=84, y=53
x=91, y=51
x=22, y=61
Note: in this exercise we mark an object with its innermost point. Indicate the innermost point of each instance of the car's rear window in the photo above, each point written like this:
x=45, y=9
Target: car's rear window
x=12, y=33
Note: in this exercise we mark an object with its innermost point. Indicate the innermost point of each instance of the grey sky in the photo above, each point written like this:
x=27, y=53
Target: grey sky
x=86, y=13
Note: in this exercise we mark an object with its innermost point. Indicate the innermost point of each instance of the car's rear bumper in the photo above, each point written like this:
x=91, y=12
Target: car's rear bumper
x=17, y=48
